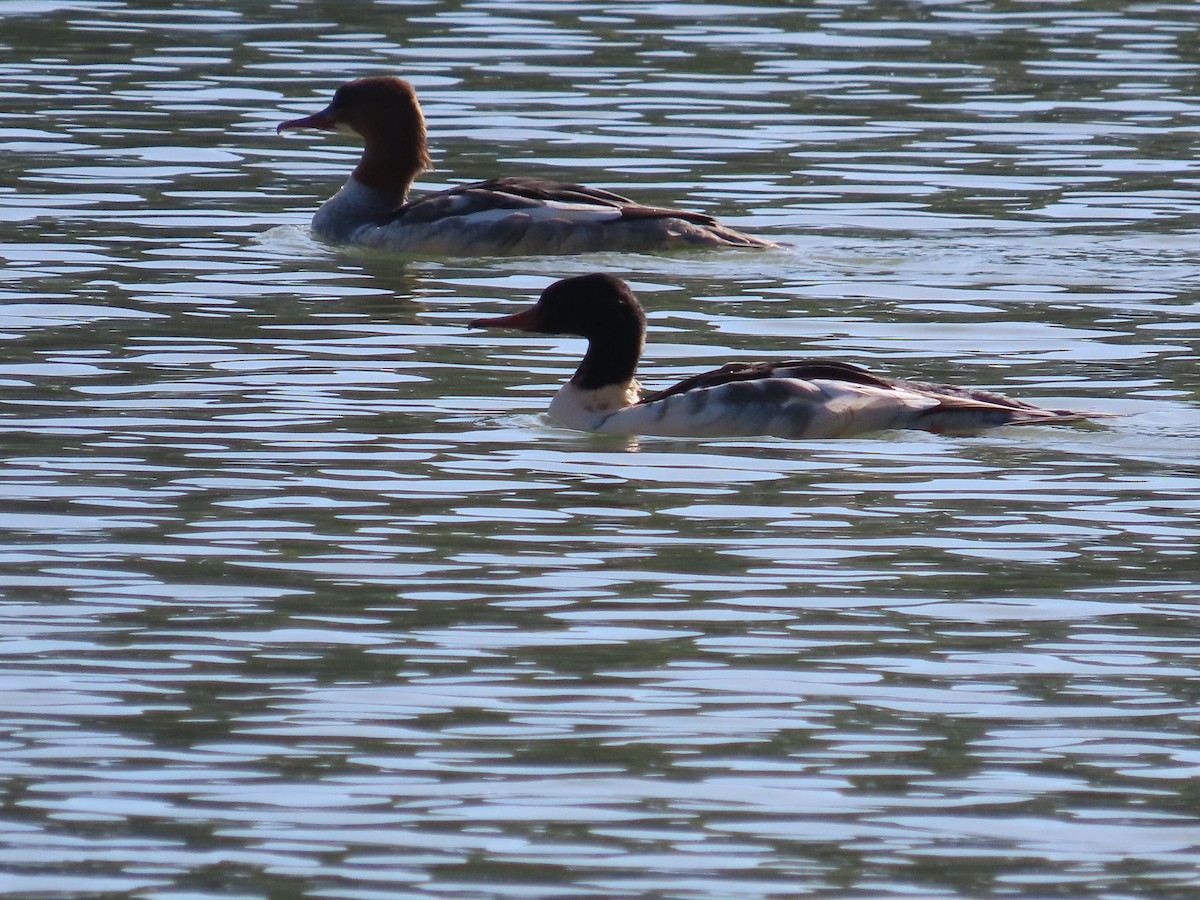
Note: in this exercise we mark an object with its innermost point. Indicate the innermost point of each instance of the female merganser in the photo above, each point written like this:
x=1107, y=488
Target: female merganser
x=807, y=398
x=501, y=216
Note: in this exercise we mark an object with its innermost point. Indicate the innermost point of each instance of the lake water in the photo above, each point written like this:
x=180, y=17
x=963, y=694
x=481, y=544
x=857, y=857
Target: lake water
x=304, y=595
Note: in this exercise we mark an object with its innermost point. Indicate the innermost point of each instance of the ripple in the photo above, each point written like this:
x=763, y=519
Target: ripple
x=303, y=592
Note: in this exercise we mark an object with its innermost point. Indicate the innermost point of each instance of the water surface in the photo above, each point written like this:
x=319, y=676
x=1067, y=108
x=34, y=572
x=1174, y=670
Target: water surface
x=303, y=594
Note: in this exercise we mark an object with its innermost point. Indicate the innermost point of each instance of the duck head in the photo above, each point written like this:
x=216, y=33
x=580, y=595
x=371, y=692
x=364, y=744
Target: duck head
x=384, y=112
x=590, y=306
x=599, y=307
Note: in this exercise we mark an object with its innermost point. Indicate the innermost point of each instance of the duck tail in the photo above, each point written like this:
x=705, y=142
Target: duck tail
x=960, y=415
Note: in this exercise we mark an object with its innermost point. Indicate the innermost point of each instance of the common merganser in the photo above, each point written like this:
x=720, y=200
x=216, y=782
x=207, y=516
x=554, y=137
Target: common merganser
x=802, y=399
x=501, y=216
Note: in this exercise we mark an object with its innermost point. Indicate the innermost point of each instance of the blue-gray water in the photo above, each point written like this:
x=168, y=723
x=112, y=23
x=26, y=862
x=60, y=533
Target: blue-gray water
x=303, y=595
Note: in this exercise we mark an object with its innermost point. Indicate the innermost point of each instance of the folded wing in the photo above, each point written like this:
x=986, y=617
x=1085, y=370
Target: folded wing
x=818, y=399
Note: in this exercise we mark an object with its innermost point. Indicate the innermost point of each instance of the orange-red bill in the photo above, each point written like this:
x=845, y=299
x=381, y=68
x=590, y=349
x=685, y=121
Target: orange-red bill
x=321, y=120
x=527, y=320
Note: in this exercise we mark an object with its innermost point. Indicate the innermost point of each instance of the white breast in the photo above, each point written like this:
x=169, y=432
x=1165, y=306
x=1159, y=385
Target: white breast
x=345, y=213
x=590, y=410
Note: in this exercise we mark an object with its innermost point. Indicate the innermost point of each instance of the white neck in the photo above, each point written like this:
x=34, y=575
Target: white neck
x=354, y=206
x=587, y=410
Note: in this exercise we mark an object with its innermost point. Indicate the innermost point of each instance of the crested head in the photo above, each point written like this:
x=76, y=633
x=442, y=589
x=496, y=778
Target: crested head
x=383, y=111
x=369, y=106
x=591, y=306
x=603, y=309
x=598, y=307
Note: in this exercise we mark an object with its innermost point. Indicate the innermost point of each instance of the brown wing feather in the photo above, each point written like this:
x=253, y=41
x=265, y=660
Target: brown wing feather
x=544, y=189
x=805, y=369
x=967, y=395
x=517, y=193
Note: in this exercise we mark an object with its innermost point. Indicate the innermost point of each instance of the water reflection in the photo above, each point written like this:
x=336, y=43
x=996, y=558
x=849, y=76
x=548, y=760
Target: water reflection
x=303, y=593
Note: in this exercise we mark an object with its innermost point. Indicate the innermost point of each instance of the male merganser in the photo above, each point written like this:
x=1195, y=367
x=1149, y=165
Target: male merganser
x=802, y=399
x=501, y=216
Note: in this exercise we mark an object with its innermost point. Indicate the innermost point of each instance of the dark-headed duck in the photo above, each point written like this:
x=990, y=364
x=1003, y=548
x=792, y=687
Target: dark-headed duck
x=801, y=399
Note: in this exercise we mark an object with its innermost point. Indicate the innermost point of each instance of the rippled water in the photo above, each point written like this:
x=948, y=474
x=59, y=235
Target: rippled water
x=304, y=595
